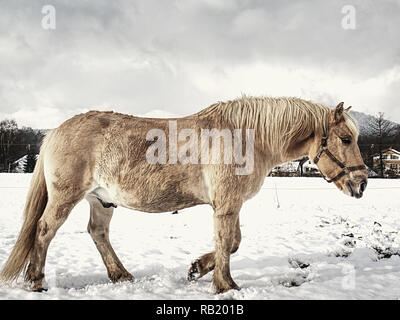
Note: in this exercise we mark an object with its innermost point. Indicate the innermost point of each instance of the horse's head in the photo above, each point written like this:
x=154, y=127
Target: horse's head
x=337, y=155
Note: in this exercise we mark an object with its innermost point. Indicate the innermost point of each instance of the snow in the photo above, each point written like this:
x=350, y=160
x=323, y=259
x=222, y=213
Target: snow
x=302, y=239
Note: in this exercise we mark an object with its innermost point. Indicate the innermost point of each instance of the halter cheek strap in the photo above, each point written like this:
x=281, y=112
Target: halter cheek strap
x=345, y=169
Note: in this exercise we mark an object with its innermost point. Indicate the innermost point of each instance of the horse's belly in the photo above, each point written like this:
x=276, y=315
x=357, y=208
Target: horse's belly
x=153, y=199
x=159, y=201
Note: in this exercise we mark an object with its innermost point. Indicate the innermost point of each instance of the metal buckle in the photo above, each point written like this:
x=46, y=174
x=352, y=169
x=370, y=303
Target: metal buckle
x=324, y=140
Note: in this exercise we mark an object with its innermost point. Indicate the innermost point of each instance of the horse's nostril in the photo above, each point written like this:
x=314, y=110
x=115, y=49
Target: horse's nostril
x=363, y=186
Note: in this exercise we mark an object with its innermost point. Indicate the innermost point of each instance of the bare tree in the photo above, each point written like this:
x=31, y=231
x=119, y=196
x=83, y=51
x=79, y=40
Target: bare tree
x=8, y=133
x=301, y=163
x=382, y=131
x=30, y=161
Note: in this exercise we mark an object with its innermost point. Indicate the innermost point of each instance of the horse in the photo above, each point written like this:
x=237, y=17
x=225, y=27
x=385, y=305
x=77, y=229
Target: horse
x=103, y=157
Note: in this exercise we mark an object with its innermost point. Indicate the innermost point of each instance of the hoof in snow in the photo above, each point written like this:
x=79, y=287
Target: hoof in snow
x=121, y=277
x=194, y=273
x=222, y=288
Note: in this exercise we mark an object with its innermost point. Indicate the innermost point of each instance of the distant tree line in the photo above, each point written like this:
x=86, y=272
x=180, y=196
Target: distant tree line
x=17, y=142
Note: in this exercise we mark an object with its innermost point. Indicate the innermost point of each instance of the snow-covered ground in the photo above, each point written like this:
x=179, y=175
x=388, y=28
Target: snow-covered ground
x=302, y=239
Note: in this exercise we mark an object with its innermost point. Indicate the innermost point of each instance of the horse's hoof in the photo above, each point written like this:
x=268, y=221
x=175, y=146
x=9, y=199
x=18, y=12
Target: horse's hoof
x=225, y=287
x=224, y=290
x=194, y=272
x=38, y=286
x=121, y=277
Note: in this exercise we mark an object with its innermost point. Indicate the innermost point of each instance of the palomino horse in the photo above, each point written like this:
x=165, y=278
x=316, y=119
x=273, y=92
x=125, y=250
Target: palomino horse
x=103, y=157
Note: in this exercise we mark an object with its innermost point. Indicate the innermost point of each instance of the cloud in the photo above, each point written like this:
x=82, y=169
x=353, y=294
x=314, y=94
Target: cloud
x=182, y=55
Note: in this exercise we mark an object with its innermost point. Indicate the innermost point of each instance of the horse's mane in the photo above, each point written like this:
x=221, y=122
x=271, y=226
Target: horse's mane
x=277, y=121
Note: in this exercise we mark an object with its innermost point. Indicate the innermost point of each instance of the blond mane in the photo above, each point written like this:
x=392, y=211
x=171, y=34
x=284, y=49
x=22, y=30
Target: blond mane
x=278, y=121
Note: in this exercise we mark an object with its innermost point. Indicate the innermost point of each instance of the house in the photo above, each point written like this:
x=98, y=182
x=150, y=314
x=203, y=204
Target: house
x=297, y=168
x=391, y=161
x=18, y=166
x=288, y=169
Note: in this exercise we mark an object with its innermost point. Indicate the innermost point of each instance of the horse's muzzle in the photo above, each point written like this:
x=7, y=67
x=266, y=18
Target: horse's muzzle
x=357, y=187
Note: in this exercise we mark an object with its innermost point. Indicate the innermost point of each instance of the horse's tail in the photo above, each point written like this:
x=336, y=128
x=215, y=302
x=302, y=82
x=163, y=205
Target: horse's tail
x=34, y=208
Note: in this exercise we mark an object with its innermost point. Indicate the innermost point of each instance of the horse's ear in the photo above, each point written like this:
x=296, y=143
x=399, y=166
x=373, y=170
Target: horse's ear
x=347, y=109
x=337, y=114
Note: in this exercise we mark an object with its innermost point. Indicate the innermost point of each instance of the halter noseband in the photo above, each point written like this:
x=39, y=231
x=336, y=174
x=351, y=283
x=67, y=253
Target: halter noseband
x=345, y=169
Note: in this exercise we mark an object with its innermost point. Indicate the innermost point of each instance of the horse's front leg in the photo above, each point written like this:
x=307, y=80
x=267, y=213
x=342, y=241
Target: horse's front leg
x=206, y=263
x=225, y=218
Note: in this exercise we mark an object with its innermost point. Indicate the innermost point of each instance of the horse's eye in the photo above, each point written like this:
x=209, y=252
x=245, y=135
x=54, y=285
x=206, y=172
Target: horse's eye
x=346, y=140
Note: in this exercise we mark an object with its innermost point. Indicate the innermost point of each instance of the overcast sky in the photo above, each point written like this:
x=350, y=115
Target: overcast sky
x=181, y=56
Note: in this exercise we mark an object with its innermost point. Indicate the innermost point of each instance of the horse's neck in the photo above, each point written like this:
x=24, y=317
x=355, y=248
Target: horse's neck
x=298, y=149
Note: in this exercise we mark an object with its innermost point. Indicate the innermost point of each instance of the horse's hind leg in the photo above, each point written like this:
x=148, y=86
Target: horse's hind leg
x=98, y=228
x=55, y=214
x=206, y=263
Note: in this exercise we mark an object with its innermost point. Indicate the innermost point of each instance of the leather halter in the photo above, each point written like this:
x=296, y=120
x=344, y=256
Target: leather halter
x=345, y=169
